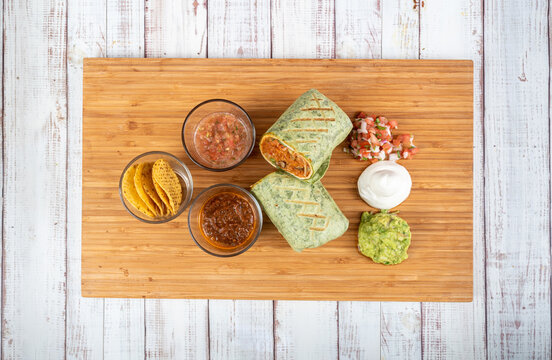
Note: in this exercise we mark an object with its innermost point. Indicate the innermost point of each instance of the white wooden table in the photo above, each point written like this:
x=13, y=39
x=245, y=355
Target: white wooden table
x=43, y=314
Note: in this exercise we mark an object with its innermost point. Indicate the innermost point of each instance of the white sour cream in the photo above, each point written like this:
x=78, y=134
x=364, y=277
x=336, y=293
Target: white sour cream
x=384, y=185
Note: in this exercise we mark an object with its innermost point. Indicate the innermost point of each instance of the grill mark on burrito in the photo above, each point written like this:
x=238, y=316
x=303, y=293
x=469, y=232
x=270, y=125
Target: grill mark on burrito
x=318, y=108
x=315, y=216
x=312, y=141
x=302, y=202
x=314, y=119
x=290, y=188
x=305, y=130
x=315, y=98
x=315, y=228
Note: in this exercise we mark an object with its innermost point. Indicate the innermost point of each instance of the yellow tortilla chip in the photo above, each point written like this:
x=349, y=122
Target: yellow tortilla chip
x=163, y=197
x=164, y=176
x=139, y=183
x=130, y=193
x=149, y=187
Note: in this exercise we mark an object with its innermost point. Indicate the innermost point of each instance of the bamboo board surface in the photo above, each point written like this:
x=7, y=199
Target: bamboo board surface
x=131, y=106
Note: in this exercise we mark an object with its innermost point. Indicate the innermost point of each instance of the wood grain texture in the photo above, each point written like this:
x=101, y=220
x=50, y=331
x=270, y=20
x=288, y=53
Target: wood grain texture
x=115, y=101
x=515, y=299
x=452, y=330
x=124, y=327
x=2, y=175
x=175, y=28
x=517, y=173
x=306, y=330
x=34, y=194
x=124, y=330
x=125, y=28
x=84, y=316
x=400, y=29
x=304, y=29
x=240, y=329
x=400, y=39
x=358, y=26
x=401, y=331
x=358, y=29
x=359, y=330
x=176, y=329
x=239, y=29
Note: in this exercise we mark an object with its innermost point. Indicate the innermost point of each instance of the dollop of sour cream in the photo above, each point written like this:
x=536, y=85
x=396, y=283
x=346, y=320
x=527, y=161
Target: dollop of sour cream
x=384, y=185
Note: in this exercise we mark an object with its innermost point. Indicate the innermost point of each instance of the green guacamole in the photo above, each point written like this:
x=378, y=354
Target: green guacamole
x=383, y=237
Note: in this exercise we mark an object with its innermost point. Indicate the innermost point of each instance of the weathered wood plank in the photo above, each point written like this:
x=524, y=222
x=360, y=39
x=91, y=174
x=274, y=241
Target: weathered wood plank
x=304, y=29
x=358, y=33
x=401, y=331
x=125, y=28
x=175, y=28
x=400, y=29
x=359, y=330
x=239, y=29
x=400, y=322
x=241, y=329
x=176, y=329
x=124, y=335
x=305, y=330
x=34, y=212
x=358, y=29
x=517, y=173
x=124, y=330
x=84, y=316
x=3, y=165
x=453, y=30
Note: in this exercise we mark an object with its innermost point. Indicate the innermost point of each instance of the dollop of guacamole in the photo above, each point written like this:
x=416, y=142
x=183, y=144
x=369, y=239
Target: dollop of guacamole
x=384, y=237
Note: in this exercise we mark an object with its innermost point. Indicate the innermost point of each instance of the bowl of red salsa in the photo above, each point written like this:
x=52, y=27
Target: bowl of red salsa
x=218, y=135
x=225, y=220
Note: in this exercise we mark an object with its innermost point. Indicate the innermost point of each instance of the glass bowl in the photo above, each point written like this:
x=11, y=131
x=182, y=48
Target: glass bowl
x=195, y=226
x=183, y=175
x=198, y=120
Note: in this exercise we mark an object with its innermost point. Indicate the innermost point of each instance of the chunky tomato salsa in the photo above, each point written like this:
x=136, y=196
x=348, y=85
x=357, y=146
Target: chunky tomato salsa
x=222, y=140
x=227, y=220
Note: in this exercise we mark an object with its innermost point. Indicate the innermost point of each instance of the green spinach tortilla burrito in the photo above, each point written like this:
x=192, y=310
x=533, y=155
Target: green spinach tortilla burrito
x=301, y=141
x=303, y=212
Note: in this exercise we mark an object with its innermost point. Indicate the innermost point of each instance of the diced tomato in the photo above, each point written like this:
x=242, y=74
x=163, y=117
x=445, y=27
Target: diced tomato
x=378, y=137
x=374, y=140
x=364, y=153
x=364, y=144
x=396, y=141
x=383, y=134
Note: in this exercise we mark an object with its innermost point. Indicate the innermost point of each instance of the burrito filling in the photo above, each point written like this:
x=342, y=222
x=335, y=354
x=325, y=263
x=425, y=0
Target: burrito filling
x=285, y=158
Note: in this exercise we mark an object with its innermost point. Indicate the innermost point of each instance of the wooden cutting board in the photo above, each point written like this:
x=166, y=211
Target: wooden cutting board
x=132, y=106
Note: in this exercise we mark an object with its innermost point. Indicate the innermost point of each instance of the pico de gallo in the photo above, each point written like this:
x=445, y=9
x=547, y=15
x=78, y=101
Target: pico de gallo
x=371, y=139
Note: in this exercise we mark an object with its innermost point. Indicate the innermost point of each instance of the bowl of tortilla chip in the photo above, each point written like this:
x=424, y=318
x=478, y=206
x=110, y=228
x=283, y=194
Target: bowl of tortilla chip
x=156, y=187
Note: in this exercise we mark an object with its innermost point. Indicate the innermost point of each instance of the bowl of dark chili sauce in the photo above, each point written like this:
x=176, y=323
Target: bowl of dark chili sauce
x=218, y=135
x=225, y=220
